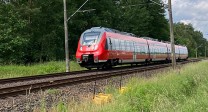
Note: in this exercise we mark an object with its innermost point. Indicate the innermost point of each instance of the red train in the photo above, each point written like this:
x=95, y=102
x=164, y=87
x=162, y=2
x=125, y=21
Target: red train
x=101, y=47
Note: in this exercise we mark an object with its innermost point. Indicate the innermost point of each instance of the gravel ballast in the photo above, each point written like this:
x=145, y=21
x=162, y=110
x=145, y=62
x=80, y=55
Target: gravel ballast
x=49, y=98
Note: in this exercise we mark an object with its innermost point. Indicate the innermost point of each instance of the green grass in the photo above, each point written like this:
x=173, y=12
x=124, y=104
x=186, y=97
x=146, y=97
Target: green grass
x=9, y=71
x=184, y=90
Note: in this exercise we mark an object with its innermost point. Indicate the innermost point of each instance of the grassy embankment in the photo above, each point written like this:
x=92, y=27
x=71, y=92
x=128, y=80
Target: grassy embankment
x=181, y=90
x=9, y=71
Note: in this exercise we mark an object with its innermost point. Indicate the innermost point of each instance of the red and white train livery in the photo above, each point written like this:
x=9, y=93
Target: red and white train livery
x=104, y=47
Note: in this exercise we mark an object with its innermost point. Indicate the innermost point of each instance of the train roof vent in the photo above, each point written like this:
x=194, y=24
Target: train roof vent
x=113, y=30
x=165, y=41
x=148, y=38
x=120, y=32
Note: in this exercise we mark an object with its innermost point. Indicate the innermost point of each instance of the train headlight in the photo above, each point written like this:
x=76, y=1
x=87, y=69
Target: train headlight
x=81, y=48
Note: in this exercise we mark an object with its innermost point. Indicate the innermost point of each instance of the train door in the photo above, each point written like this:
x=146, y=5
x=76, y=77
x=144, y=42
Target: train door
x=167, y=53
x=179, y=53
x=134, y=52
x=110, y=47
x=116, y=48
x=154, y=52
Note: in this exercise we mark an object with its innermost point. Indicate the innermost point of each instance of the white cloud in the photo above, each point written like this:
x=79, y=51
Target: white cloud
x=191, y=11
x=185, y=21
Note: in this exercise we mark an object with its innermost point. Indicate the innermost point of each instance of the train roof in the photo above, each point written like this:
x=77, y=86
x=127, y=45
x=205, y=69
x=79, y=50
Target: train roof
x=104, y=29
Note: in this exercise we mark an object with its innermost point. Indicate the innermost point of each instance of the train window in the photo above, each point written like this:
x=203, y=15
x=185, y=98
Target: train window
x=122, y=44
x=150, y=48
x=116, y=44
x=156, y=50
x=132, y=46
x=139, y=48
x=119, y=42
x=127, y=45
x=108, y=44
x=147, y=49
x=114, y=40
x=160, y=50
x=142, y=49
x=136, y=47
x=90, y=38
x=119, y=48
x=113, y=44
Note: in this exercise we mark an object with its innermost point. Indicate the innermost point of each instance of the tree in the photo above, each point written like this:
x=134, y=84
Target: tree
x=32, y=30
x=13, y=38
x=188, y=36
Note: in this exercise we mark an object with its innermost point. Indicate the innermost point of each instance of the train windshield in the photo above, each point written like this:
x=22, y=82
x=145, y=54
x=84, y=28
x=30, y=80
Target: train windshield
x=90, y=38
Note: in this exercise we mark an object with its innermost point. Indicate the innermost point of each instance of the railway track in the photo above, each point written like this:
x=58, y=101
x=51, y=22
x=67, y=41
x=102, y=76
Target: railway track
x=60, y=79
x=55, y=75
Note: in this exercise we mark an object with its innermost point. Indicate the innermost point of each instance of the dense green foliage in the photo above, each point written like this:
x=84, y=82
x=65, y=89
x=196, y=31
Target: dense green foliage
x=186, y=35
x=10, y=71
x=32, y=30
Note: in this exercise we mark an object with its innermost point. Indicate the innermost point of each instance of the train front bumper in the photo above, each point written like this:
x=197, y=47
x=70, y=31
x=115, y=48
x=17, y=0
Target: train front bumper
x=90, y=61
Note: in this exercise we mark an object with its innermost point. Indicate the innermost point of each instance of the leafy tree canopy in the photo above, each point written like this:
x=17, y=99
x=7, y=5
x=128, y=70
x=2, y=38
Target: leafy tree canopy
x=32, y=30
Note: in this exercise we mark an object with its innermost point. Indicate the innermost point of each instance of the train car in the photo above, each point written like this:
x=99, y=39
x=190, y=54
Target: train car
x=101, y=47
x=158, y=50
x=183, y=55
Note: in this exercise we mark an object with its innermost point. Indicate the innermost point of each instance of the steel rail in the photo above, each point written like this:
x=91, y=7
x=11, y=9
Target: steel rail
x=54, y=75
x=26, y=78
x=23, y=89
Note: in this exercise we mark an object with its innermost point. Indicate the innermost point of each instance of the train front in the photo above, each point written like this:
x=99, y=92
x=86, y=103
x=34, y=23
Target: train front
x=89, y=49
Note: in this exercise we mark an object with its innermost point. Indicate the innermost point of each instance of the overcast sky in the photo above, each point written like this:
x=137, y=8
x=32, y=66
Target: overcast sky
x=191, y=11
